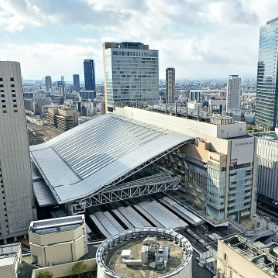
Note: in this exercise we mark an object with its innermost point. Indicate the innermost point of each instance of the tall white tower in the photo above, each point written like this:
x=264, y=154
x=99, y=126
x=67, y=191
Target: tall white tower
x=16, y=194
x=233, y=93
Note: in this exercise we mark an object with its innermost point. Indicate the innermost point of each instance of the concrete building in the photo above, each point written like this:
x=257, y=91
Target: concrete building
x=144, y=252
x=131, y=75
x=63, y=91
x=216, y=106
x=170, y=85
x=10, y=260
x=249, y=117
x=233, y=93
x=76, y=83
x=237, y=258
x=58, y=100
x=89, y=74
x=48, y=84
x=58, y=240
x=267, y=90
x=63, y=118
x=87, y=94
x=15, y=167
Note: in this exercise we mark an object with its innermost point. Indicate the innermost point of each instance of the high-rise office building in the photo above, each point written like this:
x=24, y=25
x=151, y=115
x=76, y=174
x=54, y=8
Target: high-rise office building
x=16, y=193
x=76, y=83
x=89, y=74
x=63, y=78
x=131, y=75
x=63, y=91
x=170, y=85
x=267, y=90
x=48, y=84
x=233, y=93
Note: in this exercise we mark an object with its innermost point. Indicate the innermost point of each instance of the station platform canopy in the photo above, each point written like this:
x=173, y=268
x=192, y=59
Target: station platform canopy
x=95, y=155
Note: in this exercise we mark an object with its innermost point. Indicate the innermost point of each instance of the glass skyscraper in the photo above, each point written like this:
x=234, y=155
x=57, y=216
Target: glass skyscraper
x=131, y=75
x=89, y=74
x=267, y=91
x=76, y=83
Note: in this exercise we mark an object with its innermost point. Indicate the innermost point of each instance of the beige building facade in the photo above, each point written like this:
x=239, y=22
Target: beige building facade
x=63, y=118
x=10, y=260
x=238, y=258
x=59, y=240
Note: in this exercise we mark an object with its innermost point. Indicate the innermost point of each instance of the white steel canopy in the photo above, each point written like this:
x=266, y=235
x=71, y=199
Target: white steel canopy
x=94, y=155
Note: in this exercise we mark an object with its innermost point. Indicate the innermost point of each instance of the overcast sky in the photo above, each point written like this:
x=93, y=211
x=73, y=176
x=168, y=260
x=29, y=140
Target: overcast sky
x=201, y=39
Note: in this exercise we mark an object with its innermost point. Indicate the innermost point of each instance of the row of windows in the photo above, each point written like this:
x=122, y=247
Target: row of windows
x=4, y=205
x=13, y=95
x=135, y=53
x=2, y=86
x=4, y=105
x=11, y=79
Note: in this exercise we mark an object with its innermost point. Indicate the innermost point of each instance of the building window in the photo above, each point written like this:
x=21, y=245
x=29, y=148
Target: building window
x=2, y=95
x=12, y=79
x=15, y=111
x=3, y=106
x=12, y=85
x=4, y=111
x=13, y=91
x=3, y=100
x=1, y=79
x=1, y=85
x=14, y=100
x=225, y=257
x=15, y=105
x=13, y=95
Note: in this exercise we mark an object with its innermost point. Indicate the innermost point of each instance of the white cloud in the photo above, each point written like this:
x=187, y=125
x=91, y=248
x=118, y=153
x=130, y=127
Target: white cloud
x=200, y=38
x=13, y=19
x=56, y=60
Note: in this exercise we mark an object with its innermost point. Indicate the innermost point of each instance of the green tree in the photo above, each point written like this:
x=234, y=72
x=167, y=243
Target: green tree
x=78, y=268
x=249, y=127
x=45, y=274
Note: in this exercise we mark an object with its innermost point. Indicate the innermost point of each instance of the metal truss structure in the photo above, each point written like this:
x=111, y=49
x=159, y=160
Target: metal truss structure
x=156, y=183
x=117, y=191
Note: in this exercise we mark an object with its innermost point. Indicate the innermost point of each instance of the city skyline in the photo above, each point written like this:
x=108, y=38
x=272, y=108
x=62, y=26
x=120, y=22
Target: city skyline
x=53, y=38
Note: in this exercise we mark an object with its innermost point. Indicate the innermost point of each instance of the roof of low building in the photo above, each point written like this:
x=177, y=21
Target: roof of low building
x=8, y=253
x=61, y=224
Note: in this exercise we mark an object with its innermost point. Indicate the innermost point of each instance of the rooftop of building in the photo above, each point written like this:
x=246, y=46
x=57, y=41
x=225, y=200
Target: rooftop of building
x=113, y=259
x=252, y=253
x=126, y=45
x=62, y=224
x=8, y=253
x=271, y=136
x=110, y=259
x=272, y=20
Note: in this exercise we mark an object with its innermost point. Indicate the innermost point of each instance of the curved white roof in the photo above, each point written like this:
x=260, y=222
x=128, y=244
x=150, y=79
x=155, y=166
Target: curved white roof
x=88, y=157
